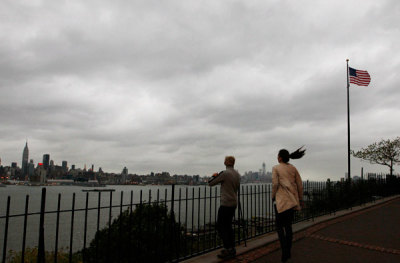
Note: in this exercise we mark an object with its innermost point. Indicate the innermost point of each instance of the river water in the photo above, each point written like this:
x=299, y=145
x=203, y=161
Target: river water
x=190, y=207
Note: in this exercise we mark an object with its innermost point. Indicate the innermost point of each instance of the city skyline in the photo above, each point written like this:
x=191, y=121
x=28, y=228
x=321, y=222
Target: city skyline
x=178, y=85
x=261, y=171
x=46, y=161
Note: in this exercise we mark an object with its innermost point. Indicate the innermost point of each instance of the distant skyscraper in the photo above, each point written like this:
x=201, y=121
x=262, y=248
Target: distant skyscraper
x=42, y=174
x=124, y=174
x=46, y=161
x=13, y=168
x=64, y=166
x=31, y=168
x=263, y=169
x=25, y=157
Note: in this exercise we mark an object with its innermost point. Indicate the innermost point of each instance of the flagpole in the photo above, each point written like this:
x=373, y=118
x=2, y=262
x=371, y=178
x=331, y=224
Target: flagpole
x=348, y=124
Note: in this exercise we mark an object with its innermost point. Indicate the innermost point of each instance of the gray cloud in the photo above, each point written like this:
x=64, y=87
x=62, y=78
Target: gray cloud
x=176, y=86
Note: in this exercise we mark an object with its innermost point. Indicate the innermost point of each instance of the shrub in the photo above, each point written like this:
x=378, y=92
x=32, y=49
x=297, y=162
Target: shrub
x=148, y=234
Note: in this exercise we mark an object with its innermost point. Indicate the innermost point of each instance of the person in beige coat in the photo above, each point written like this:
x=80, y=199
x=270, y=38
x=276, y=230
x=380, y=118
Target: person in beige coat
x=287, y=192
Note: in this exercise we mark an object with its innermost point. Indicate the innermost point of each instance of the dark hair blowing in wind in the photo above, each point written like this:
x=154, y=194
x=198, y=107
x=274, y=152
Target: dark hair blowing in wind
x=286, y=156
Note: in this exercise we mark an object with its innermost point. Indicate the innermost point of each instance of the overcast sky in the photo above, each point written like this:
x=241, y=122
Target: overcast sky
x=178, y=85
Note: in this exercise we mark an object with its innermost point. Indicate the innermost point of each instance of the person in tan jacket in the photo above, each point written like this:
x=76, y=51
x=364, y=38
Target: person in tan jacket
x=287, y=192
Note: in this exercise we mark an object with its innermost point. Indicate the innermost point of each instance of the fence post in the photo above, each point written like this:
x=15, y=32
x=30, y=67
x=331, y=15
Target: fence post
x=41, y=254
x=6, y=229
x=173, y=244
x=25, y=223
x=172, y=199
x=72, y=228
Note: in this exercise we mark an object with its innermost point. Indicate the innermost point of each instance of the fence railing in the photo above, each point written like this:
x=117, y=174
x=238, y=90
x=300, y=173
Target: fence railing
x=174, y=225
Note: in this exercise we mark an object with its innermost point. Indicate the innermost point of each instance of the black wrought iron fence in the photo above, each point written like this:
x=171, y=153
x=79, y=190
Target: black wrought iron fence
x=169, y=226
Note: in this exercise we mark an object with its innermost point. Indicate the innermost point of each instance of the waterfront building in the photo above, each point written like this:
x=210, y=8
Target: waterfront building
x=124, y=175
x=64, y=166
x=263, y=169
x=43, y=175
x=31, y=169
x=56, y=172
x=13, y=169
x=46, y=161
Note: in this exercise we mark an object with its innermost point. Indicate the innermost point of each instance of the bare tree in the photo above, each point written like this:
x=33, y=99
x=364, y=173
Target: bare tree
x=385, y=152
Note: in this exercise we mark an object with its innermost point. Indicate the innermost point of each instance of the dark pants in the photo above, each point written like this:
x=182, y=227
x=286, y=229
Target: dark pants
x=285, y=233
x=224, y=225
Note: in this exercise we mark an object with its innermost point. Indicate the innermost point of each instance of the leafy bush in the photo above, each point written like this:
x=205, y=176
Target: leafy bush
x=148, y=234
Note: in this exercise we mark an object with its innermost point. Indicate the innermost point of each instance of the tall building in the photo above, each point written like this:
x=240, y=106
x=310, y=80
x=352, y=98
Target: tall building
x=124, y=175
x=263, y=169
x=31, y=169
x=25, y=157
x=13, y=168
x=46, y=161
x=65, y=166
x=42, y=174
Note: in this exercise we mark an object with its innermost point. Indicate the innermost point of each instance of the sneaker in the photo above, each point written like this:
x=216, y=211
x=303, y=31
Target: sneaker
x=227, y=253
x=223, y=253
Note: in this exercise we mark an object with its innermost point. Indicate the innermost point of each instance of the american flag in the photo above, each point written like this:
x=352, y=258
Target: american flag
x=359, y=77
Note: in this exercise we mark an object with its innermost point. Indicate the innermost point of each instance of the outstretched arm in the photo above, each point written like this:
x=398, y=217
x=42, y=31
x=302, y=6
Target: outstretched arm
x=216, y=179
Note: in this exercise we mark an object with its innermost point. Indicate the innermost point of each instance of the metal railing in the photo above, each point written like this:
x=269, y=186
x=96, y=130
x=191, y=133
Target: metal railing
x=64, y=235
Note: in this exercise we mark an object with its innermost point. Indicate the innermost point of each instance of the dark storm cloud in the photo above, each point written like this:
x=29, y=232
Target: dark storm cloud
x=176, y=86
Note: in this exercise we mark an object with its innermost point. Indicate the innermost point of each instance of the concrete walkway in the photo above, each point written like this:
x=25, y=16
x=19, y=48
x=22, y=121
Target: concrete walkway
x=369, y=233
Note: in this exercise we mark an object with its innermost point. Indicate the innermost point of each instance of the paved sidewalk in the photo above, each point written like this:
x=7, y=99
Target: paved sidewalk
x=369, y=233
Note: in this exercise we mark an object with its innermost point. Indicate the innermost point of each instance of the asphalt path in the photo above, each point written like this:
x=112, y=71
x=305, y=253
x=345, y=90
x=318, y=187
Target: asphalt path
x=370, y=235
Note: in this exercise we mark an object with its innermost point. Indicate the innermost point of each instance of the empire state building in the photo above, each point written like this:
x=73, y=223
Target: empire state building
x=25, y=157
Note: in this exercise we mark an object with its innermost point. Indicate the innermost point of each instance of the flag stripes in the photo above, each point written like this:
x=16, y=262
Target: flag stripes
x=359, y=77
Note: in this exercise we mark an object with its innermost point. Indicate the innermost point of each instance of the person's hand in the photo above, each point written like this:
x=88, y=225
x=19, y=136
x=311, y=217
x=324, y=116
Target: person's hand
x=302, y=204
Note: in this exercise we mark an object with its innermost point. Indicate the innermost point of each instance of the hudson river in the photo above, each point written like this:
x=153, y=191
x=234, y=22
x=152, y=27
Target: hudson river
x=202, y=209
